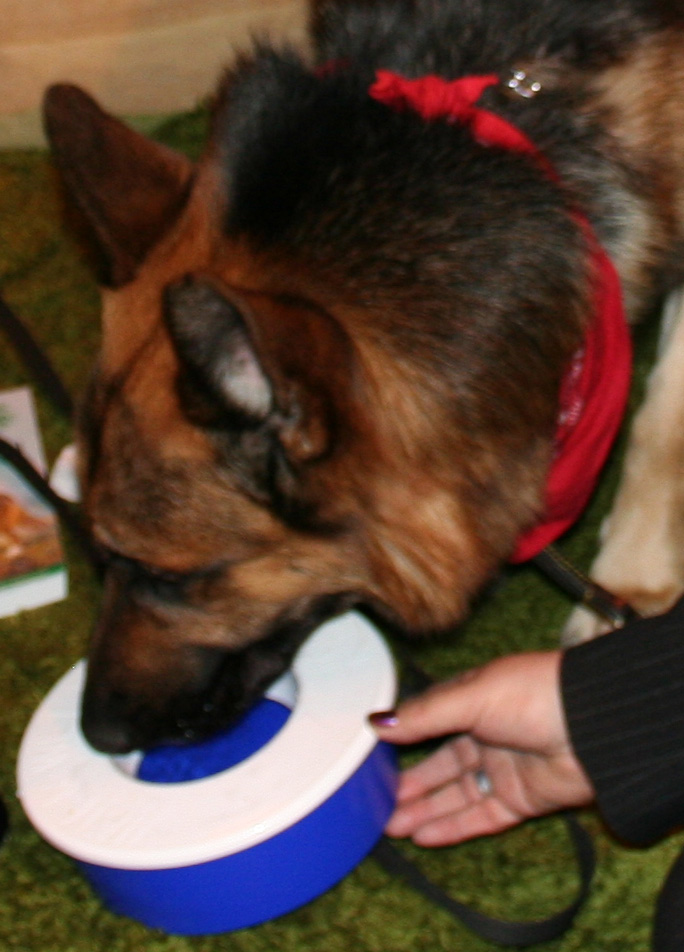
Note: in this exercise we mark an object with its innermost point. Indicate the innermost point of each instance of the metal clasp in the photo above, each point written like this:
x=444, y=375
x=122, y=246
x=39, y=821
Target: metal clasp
x=523, y=85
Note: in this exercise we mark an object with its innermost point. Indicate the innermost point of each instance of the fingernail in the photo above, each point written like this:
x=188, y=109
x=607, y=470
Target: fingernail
x=384, y=719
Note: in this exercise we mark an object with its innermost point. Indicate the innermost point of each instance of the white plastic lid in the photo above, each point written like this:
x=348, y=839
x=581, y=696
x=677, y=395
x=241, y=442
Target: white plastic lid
x=88, y=807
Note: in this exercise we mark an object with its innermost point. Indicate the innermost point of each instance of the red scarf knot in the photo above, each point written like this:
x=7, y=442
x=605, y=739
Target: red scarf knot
x=594, y=391
x=431, y=96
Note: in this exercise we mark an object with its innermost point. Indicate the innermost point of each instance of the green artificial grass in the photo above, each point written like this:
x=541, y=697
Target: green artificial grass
x=46, y=906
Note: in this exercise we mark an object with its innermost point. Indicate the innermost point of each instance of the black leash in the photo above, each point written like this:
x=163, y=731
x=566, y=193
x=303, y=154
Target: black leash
x=67, y=512
x=581, y=588
x=386, y=853
x=39, y=365
x=35, y=360
x=500, y=931
x=504, y=932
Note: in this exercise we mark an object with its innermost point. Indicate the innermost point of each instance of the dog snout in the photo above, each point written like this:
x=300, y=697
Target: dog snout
x=108, y=736
x=115, y=724
x=105, y=724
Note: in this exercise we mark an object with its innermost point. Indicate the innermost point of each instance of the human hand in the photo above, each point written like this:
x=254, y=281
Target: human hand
x=510, y=758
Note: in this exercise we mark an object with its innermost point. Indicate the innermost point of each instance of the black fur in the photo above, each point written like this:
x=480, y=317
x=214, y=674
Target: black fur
x=423, y=36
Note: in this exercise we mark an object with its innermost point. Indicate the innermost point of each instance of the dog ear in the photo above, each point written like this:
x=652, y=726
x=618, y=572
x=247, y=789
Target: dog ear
x=127, y=188
x=214, y=344
x=268, y=377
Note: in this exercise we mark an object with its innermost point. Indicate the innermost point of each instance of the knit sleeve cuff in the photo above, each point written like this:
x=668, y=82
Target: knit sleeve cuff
x=624, y=702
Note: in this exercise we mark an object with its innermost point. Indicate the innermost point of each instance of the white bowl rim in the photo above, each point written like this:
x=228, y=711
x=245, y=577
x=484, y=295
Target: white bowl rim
x=90, y=809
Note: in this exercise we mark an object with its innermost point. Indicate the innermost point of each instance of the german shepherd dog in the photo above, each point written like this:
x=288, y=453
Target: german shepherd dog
x=333, y=348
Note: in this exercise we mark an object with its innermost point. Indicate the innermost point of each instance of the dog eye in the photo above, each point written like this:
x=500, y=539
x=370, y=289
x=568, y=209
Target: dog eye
x=163, y=585
x=164, y=576
x=160, y=583
x=175, y=587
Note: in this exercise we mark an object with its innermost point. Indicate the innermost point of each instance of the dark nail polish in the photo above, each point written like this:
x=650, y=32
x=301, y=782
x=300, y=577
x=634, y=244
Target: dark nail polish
x=384, y=719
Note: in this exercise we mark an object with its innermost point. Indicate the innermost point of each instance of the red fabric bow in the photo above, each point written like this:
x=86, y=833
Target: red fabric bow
x=594, y=392
x=435, y=98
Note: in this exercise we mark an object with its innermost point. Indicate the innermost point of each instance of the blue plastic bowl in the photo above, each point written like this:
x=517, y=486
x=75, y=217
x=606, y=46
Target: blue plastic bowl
x=267, y=880
x=306, y=775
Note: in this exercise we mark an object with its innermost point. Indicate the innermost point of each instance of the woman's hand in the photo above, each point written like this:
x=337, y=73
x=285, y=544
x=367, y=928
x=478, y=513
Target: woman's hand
x=510, y=758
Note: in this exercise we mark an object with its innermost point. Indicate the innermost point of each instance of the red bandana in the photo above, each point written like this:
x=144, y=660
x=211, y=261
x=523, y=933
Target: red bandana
x=594, y=391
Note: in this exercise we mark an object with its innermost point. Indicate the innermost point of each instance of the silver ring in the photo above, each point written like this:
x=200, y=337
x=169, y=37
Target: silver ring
x=483, y=783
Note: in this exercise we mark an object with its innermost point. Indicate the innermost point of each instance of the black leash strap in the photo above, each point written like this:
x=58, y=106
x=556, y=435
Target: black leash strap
x=504, y=932
x=37, y=362
x=583, y=589
x=67, y=513
x=500, y=931
x=35, y=359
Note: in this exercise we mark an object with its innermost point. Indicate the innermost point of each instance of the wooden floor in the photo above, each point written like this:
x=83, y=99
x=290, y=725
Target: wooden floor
x=138, y=57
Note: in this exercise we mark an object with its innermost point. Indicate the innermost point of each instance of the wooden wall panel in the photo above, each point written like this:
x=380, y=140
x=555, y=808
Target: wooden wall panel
x=138, y=57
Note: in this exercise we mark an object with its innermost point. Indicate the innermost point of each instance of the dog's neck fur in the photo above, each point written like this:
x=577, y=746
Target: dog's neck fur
x=587, y=425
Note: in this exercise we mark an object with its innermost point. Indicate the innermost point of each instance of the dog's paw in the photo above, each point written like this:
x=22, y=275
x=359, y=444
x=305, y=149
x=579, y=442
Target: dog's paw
x=582, y=625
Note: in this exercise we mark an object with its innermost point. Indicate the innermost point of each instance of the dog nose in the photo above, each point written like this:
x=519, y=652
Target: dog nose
x=108, y=738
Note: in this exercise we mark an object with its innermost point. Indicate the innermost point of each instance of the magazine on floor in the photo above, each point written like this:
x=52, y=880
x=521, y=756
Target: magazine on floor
x=32, y=566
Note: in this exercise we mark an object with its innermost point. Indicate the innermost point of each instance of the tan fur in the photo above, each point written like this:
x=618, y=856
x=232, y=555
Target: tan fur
x=640, y=557
x=412, y=528
x=637, y=100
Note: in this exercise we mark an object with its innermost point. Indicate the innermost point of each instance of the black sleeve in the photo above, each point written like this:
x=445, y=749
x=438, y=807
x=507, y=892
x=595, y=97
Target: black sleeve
x=624, y=702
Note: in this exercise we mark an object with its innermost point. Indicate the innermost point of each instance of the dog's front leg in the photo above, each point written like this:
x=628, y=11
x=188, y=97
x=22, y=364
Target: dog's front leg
x=641, y=557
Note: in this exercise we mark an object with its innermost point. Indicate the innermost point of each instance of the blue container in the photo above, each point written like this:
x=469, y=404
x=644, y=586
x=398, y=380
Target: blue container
x=297, y=795
x=267, y=880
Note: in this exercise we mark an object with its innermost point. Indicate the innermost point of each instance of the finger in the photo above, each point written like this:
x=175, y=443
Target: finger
x=445, y=708
x=458, y=811
x=484, y=818
x=452, y=798
x=446, y=765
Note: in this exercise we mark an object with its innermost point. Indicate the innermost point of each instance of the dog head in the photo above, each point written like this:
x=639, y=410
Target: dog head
x=327, y=378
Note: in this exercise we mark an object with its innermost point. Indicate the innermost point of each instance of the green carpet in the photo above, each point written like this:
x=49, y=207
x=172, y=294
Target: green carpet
x=45, y=906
